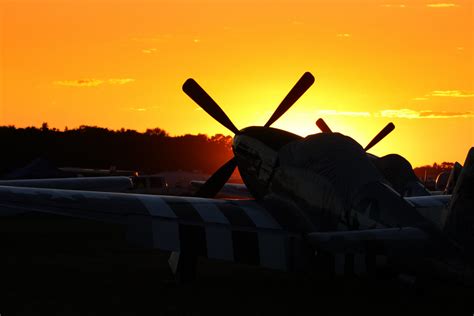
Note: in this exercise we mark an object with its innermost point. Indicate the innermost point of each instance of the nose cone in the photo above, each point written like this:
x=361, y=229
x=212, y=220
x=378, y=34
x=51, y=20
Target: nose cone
x=256, y=163
x=256, y=153
x=271, y=137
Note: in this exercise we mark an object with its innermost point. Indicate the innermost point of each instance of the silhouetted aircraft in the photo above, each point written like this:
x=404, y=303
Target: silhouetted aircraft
x=395, y=168
x=453, y=178
x=229, y=190
x=39, y=168
x=106, y=184
x=319, y=203
x=85, y=172
x=144, y=184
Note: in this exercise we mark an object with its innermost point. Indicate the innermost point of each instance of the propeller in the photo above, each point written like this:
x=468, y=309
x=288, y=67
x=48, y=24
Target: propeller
x=213, y=185
x=381, y=135
x=295, y=93
x=195, y=92
x=323, y=126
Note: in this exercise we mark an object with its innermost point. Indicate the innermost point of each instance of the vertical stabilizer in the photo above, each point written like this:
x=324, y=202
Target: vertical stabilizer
x=460, y=217
x=453, y=178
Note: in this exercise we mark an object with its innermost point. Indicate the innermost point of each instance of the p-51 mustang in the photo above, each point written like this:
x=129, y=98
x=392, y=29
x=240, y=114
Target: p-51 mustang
x=319, y=201
x=396, y=169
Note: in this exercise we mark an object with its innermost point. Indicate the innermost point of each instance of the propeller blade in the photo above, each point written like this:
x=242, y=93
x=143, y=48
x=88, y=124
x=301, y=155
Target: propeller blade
x=323, y=126
x=215, y=183
x=295, y=93
x=195, y=92
x=381, y=135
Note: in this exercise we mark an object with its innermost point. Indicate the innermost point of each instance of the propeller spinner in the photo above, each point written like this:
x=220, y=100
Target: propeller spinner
x=213, y=185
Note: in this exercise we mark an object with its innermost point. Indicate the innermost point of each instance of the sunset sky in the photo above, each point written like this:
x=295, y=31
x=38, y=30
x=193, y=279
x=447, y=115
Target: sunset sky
x=122, y=63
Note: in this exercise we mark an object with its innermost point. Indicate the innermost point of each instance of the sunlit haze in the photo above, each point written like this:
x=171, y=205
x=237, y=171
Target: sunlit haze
x=122, y=63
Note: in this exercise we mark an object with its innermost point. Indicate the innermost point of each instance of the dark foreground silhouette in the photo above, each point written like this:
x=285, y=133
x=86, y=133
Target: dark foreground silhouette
x=128, y=283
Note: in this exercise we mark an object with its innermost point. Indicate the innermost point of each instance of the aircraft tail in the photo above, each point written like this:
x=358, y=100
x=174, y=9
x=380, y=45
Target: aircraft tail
x=453, y=178
x=459, y=222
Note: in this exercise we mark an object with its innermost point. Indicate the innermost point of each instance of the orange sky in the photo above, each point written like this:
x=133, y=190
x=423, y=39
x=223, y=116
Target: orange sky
x=122, y=63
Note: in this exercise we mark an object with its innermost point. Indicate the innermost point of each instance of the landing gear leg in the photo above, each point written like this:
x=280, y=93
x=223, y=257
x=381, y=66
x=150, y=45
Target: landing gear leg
x=183, y=266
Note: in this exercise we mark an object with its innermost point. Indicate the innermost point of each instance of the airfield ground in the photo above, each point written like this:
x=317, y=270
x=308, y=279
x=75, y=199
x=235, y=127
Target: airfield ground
x=48, y=268
x=129, y=283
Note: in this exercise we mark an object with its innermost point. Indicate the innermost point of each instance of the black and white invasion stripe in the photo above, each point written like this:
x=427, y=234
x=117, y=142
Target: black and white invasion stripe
x=238, y=231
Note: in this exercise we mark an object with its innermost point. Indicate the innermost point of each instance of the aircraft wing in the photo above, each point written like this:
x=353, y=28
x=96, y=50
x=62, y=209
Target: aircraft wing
x=385, y=240
x=381, y=241
x=237, y=231
x=434, y=207
x=361, y=250
x=229, y=189
x=109, y=184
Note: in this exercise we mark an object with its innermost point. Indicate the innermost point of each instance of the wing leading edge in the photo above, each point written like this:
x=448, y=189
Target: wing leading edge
x=238, y=231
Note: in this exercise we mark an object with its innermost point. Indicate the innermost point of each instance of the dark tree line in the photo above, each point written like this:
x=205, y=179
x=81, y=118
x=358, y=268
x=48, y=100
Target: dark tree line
x=431, y=172
x=148, y=152
x=96, y=147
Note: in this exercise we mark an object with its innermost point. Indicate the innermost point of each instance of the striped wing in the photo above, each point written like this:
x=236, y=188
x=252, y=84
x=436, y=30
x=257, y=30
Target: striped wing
x=434, y=208
x=109, y=184
x=361, y=251
x=238, y=231
x=432, y=201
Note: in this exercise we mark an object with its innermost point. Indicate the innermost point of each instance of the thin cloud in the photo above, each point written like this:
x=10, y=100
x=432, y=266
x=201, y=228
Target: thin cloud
x=441, y=5
x=413, y=114
x=92, y=82
x=80, y=83
x=149, y=50
x=343, y=35
x=393, y=5
x=344, y=113
x=138, y=109
x=420, y=99
x=400, y=113
x=452, y=93
x=120, y=81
